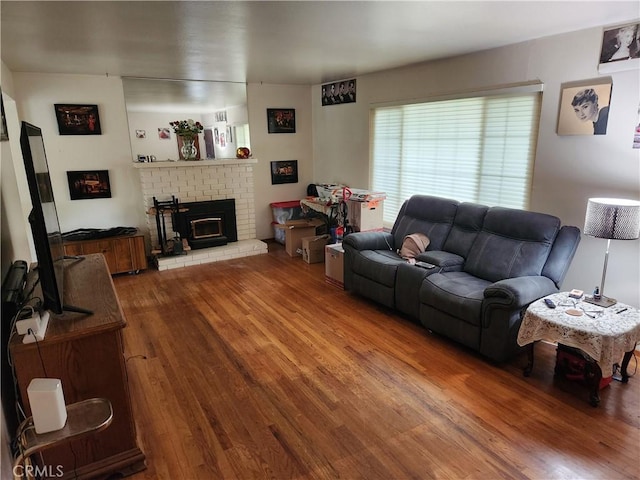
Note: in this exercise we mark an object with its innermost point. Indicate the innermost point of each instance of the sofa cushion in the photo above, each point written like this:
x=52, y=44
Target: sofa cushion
x=432, y=216
x=512, y=243
x=377, y=265
x=458, y=294
x=466, y=226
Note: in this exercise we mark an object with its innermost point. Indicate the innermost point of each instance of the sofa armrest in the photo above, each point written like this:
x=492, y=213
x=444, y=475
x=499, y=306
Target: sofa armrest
x=447, y=260
x=502, y=309
x=369, y=241
x=562, y=253
x=520, y=291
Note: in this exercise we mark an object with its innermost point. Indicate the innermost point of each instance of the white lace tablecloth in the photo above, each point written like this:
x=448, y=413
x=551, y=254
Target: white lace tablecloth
x=605, y=338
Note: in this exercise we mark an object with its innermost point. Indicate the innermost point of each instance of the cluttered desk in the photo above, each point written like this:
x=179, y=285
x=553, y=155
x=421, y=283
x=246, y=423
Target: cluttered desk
x=346, y=209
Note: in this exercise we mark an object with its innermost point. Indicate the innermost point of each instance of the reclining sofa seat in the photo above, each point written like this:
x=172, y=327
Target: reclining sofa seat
x=491, y=265
x=371, y=258
x=467, y=223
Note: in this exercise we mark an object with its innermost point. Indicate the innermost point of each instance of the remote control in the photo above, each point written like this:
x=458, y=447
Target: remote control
x=425, y=265
x=549, y=303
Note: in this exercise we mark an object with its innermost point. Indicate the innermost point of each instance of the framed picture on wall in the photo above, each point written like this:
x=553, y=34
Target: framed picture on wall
x=89, y=184
x=281, y=120
x=284, y=171
x=620, y=48
x=584, y=107
x=339, y=92
x=4, y=134
x=77, y=119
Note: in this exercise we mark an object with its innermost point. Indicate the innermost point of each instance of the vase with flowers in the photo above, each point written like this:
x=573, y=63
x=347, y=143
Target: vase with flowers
x=188, y=131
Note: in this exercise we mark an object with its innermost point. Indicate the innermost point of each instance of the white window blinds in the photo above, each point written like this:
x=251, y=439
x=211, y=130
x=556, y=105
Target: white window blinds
x=478, y=149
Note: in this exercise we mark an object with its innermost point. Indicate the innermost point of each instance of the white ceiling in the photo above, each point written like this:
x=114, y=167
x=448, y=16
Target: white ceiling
x=300, y=42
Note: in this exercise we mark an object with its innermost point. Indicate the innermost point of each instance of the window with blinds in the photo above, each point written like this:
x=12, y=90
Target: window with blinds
x=476, y=149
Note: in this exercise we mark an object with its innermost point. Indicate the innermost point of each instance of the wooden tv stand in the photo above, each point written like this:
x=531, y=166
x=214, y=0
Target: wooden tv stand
x=124, y=253
x=86, y=352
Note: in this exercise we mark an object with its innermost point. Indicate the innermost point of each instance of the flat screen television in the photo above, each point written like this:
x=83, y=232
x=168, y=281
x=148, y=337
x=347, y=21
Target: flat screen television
x=45, y=227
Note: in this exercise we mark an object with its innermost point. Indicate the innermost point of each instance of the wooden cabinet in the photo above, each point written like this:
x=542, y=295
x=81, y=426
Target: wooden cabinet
x=123, y=254
x=86, y=353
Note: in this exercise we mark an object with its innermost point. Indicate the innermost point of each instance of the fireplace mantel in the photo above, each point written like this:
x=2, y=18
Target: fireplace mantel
x=196, y=163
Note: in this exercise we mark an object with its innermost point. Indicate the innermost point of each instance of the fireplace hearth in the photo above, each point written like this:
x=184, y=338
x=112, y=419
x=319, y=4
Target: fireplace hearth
x=206, y=224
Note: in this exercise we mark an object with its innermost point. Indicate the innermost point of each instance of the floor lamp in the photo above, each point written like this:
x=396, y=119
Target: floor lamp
x=613, y=219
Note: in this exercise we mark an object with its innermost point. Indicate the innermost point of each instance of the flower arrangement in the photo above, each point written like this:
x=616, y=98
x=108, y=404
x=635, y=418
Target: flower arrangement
x=186, y=128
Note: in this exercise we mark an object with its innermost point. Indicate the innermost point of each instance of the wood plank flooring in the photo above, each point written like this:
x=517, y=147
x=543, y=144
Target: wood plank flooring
x=257, y=368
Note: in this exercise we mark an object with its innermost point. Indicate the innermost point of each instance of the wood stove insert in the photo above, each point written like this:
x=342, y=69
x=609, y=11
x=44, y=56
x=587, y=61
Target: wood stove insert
x=206, y=224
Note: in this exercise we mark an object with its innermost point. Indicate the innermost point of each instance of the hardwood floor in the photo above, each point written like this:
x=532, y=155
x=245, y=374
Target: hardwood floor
x=257, y=368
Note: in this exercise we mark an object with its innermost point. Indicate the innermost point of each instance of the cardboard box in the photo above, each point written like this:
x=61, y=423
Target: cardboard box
x=334, y=264
x=295, y=231
x=313, y=248
x=365, y=216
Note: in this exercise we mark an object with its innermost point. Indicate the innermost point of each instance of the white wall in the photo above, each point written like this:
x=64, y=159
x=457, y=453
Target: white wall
x=15, y=203
x=36, y=95
x=278, y=146
x=568, y=170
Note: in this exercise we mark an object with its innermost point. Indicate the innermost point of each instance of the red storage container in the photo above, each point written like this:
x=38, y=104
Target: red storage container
x=574, y=364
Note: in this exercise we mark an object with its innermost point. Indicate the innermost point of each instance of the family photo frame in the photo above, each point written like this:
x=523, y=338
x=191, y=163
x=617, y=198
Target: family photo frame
x=76, y=119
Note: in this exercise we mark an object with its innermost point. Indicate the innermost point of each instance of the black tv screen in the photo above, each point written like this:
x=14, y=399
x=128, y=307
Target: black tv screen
x=45, y=227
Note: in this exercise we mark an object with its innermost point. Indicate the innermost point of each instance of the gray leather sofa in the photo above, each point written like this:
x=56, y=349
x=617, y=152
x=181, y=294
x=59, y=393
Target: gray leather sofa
x=491, y=263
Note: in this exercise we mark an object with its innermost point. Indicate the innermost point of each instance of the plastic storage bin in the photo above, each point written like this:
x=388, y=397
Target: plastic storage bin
x=285, y=211
x=279, y=234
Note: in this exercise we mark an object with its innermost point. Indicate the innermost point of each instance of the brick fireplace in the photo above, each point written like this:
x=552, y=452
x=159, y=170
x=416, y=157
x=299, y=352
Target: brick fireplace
x=200, y=181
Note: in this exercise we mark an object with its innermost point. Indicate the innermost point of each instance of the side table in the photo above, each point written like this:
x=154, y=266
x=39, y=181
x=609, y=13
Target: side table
x=605, y=334
x=87, y=416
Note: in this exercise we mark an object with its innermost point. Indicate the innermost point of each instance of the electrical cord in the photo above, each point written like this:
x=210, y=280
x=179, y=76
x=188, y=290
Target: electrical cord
x=31, y=305
x=30, y=292
x=20, y=413
x=19, y=410
x=387, y=242
x=44, y=369
x=617, y=370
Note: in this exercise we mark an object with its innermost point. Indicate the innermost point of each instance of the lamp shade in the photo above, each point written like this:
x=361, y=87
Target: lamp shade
x=612, y=218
